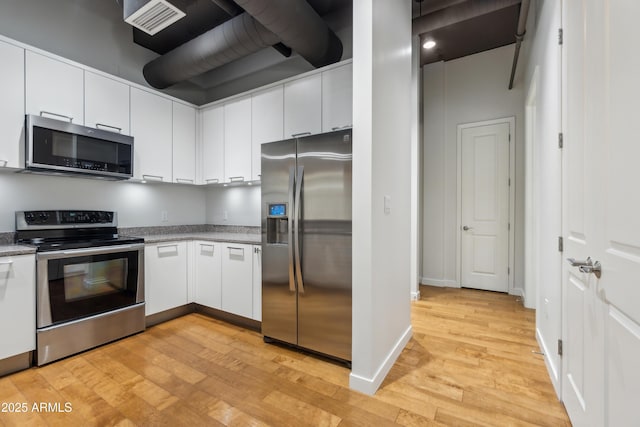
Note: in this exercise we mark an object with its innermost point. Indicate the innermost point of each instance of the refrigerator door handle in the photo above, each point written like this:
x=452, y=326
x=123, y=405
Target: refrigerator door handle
x=297, y=228
x=292, y=176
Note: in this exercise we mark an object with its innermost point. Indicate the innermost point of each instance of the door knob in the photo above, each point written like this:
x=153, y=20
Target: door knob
x=587, y=266
x=467, y=228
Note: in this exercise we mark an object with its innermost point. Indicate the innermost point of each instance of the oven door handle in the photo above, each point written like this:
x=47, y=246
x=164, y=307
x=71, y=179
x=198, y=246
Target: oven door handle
x=90, y=251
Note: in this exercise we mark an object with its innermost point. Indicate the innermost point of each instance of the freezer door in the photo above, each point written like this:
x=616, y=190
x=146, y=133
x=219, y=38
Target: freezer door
x=324, y=296
x=279, y=301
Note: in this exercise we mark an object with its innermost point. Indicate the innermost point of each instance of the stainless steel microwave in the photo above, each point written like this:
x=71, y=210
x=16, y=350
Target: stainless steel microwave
x=58, y=147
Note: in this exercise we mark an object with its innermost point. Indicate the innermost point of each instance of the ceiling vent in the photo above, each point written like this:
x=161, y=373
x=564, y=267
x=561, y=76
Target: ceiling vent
x=151, y=16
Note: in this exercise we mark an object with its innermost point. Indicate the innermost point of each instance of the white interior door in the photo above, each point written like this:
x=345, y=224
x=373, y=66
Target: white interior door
x=601, y=315
x=484, y=151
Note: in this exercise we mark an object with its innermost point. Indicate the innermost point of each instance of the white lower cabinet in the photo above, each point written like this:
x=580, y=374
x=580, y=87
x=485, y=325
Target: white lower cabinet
x=237, y=279
x=165, y=276
x=17, y=305
x=257, y=283
x=208, y=273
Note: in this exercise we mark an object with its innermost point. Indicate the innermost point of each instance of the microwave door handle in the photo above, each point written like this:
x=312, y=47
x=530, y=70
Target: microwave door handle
x=296, y=230
x=292, y=280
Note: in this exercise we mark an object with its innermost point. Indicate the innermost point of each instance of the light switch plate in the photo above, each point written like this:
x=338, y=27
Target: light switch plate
x=387, y=205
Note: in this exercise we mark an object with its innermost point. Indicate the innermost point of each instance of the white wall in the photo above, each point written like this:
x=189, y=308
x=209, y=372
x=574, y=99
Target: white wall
x=466, y=90
x=241, y=205
x=137, y=205
x=541, y=58
x=381, y=167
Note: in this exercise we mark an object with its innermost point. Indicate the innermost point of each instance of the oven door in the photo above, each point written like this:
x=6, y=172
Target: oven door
x=78, y=283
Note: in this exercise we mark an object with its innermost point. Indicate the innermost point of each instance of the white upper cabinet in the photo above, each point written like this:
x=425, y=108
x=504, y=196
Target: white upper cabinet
x=184, y=144
x=237, y=140
x=151, y=128
x=303, y=106
x=267, y=123
x=106, y=103
x=337, y=95
x=54, y=89
x=213, y=144
x=12, y=105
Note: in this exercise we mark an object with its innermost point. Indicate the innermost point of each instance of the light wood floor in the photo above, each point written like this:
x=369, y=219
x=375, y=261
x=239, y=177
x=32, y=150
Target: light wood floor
x=469, y=363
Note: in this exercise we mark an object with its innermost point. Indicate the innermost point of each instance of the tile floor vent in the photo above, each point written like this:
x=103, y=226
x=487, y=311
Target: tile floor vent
x=151, y=16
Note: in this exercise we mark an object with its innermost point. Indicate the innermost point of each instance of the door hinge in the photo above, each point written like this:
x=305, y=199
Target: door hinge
x=509, y=226
x=560, y=347
x=509, y=182
x=560, y=244
x=508, y=271
x=560, y=36
x=509, y=137
x=560, y=140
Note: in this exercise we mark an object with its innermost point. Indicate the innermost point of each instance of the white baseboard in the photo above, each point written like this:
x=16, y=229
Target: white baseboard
x=370, y=385
x=415, y=295
x=443, y=283
x=551, y=368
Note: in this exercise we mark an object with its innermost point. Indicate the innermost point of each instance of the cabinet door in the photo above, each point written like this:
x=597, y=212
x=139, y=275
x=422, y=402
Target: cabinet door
x=17, y=305
x=337, y=95
x=151, y=129
x=11, y=106
x=213, y=144
x=237, y=275
x=54, y=88
x=209, y=274
x=165, y=276
x=237, y=140
x=184, y=144
x=303, y=106
x=267, y=123
x=257, y=283
x=106, y=103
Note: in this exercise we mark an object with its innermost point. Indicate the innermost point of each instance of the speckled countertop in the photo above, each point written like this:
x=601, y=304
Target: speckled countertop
x=246, y=238
x=212, y=233
x=13, y=250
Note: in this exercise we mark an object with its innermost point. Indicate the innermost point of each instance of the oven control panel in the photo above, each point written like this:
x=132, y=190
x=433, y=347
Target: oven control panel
x=30, y=219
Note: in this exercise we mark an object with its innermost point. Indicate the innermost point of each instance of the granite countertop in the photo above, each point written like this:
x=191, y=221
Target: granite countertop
x=246, y=238
x=12, y=250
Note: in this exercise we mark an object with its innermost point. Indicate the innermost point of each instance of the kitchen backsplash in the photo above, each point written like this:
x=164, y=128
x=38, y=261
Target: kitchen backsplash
x=177, y=229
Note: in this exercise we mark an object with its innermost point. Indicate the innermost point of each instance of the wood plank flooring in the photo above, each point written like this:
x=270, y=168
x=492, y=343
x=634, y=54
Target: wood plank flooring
x=469, y=363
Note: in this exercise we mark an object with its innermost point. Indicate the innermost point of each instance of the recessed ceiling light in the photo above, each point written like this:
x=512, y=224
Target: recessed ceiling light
x=429, y=44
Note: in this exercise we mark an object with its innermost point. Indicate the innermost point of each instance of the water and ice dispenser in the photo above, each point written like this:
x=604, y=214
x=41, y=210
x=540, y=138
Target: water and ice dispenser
x=277, y=224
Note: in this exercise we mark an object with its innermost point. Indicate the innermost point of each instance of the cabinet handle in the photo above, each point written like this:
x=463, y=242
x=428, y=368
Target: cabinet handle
x=236, y=178
x=153, y=177
x=240, y=251
x=183, y=180
x=342, y=127
x=295, y=135
x=57, y=115
x=108, y=127
x=257, y=250
x=168, y=249
x=209, y=247
x=4, y=163
x=212, y=180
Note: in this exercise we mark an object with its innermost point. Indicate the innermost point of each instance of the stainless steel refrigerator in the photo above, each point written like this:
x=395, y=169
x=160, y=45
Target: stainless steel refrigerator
x=306, y=243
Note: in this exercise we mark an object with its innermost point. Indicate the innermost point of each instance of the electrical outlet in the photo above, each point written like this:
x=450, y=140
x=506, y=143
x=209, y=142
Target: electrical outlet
x=546, y=308
x=164, y=216
x=226, y=216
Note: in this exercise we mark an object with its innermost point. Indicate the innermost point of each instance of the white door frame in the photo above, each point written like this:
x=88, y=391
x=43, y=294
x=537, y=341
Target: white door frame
x=512, y=166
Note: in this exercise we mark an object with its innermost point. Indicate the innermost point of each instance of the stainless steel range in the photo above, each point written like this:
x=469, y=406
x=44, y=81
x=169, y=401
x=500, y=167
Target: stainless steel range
x=90, y=281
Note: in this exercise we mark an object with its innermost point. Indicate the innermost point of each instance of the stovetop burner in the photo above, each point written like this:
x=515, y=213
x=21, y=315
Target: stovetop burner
x=64, y=230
